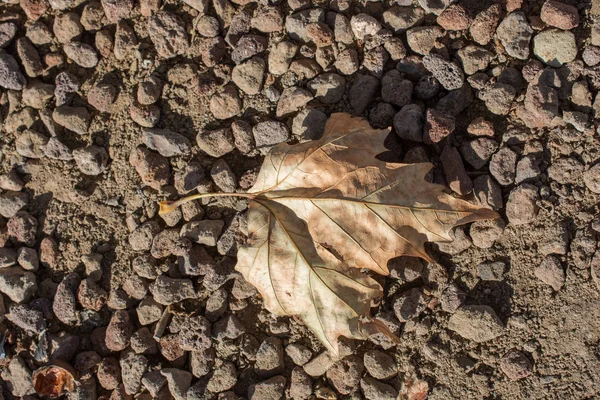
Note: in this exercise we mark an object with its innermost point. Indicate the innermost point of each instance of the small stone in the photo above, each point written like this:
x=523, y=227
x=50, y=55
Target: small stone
x=30, y=59
x=31, y=144
x=492, y=271
x=395, y=48
x=34, y=9
x=37, y=94
x=269, y=133
x=301, y=384
x=17, y=378
x=133, y=366
x=149, y=91
x=521, y=207
x=454, y=170
x=503, y=166
x=153, y=169
x=423, y=39
x=396, y=90
x=477, y=323
x=91, y=296
x=559, y=15
x=223, y=176
x=167, y=290
x=485, y=233
x=223, y=378
x=515, y=365
x=435, y=7
x=226, y=104
x=146, y=116
x=402, y=18
x=447, y=73
x=328, y=88
x=591, y=55
x=474, y=58
x=247, y=47
x=565, y=170
x=109, y=373
x=65, y=303
x=271, y=389
x=362, y=92
x=166, y=142
x=11, y=76
x=320, y=34
x=26, y=318
x=555, y=47
x=92, y=16
x=119, y=331
x=375, y=390
x=292, y=100
x=487, y=192
x=267, y=19
x=269, y=357
x=299, y=354
x=345, y=374
x=91, y=160
x=409, y=305
x=515, y=33
x=591, y=177
x=149, y=311
x=454, y=18
x=248, y=76
x=179, y=382
x=168, y=34
x=309, y=124
x=67, y=27
x=76, y=119
x=102, y=96
x=281, y=56
x=551, y=272
x=380, y=365
x=438, y=125
x=27, y=258
x=477, y=152
x=460, y=242
x=82, y=54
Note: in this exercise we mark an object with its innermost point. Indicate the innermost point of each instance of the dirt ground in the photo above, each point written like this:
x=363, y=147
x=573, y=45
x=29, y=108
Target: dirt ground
x=537, y=267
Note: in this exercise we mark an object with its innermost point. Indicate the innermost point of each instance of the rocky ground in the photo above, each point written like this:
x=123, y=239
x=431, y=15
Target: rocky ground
x=108, y=107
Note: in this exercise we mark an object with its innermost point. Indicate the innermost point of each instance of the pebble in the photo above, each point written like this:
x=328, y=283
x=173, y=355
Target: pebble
x=8, y=30
x=292, y=100
x=515, y=365
x=309, y=124
x=555, y=47
x=28, y=259
x=30, y=59
x=591, y=55
x=26, y=318
x=66, y=85
x=565, y=170
x=551, y=272
x=344, y=375
x=491, y=271
x=149, y=91
x=476, y=322
x=149, y=311
x=223, y=176
x=474, y=58
x=408, y=123
x=362, y=92
x=402, y=18
x=248, y=76
x=454, y=18
x=146, y=116
x=300, y=385
x=67, y=27
x=296, y=23
x=396, y=90
x=503, y=166
x=299, y=354
x=82, y=54
x=115, y=10
x=102, y=96
x=166, y=142
x=91, y=160
x=380, y=365
x=119, y=331
x=153, y=169
x=487, y=192
x=281, y=56
x=168, y=34
x=34, y=9
x=31, y=144
x=168, y=242
x=133, y=366
x=438, y=125
x=18, y=378
x=342, y=30
x=409, y=304
x=328, y=88
x=22, y=228
x=64, y=303
x=485, y=233
x=76, y=119
x=202, y=362
x=16, y=283
x=559, y=15
x=247, y=47
x=527, y=169
x=195, y=334
x=477, y=152
x=521, y=207
x=433, y=6
x=267, y=19
x=364, y=25
x=269, y=133
x=591, y=177
x=92, y=16
x=223, y=378
x=11, y=76
x=271, y=389
x=207, y=26
x=179, y=381
x=57, y=150
x=226, y=104
x=447, y=73
x=37, y=94
x=167, y=290
x=91, y=296
x=423, y=39
x=109, y=373
x=39, y=33
x=375, y=390
x=515, y=33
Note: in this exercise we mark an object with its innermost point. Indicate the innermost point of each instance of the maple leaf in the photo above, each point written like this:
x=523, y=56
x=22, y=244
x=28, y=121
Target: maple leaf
x=321, y=211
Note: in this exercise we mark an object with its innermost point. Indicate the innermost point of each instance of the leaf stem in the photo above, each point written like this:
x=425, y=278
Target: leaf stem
x=168, y=206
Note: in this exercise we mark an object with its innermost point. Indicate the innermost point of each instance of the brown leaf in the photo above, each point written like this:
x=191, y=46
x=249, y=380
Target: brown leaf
x=320, y=211
x=54, y=380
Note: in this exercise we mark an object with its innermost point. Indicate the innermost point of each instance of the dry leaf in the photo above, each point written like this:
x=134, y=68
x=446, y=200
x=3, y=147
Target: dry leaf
x=320, y=211
x=54, y=380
